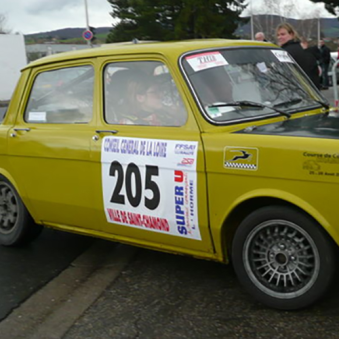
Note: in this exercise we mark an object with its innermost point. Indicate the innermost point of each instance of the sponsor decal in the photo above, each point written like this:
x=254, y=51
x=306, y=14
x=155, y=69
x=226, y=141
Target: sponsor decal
x=184, y=148
x=186, y=162
x=242, y=158
x=321, y=164
x=151, y=184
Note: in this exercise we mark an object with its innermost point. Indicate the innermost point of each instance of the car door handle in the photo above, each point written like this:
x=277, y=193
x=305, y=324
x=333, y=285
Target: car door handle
x=106, y=131
x=13, y=135
x=21, y=129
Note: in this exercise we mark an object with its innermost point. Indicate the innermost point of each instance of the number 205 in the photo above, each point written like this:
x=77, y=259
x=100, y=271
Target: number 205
x=125, y=179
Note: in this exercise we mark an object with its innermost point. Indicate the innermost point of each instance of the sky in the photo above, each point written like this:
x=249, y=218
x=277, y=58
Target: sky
x=296, y=9
x=34, y=16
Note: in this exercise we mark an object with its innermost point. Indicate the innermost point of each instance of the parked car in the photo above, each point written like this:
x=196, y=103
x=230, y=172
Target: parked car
x=218, y=149
x=334, y=58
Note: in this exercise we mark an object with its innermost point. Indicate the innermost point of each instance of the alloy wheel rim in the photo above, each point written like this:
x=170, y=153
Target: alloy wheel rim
x=281, y=259
x=8, y=209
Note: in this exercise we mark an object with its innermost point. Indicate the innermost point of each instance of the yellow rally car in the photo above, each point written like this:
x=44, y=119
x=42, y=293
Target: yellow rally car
x=217, y=149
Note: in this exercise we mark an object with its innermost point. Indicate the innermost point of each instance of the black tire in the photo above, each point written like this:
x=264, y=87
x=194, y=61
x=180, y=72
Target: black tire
x=17, y=227
x=283, y=258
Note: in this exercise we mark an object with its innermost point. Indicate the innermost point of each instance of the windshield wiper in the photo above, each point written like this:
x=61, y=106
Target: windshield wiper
x=296, y=101
x=322, y=103
x=250, y=104
x=288, y=103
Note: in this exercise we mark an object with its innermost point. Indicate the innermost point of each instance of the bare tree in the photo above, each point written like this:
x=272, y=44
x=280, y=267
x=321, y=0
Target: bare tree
x=289, y=8
x=308, y=26
x=274, y=12
x=3, y=24
x=272, y=9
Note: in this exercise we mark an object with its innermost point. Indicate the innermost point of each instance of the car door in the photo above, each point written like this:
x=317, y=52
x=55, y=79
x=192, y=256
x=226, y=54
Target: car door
x=49, y=145
x=150, y=168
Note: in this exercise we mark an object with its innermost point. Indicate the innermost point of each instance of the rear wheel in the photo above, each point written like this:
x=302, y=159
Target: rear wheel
x=283, y=257
x=16, y=225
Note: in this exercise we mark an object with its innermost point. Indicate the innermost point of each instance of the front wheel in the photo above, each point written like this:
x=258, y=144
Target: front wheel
x=283, y=257
x=16, y=225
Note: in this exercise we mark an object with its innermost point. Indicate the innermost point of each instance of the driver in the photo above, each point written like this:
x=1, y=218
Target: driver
x=144, y=103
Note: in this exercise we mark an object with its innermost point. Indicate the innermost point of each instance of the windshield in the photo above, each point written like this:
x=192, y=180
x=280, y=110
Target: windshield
x=260, y=75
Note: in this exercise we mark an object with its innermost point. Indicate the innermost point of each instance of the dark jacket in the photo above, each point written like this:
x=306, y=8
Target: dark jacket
x=316, y=52
x=325, y=55
x=305, y=59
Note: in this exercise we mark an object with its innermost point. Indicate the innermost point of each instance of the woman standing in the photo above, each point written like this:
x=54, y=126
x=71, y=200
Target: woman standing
x=289, y=40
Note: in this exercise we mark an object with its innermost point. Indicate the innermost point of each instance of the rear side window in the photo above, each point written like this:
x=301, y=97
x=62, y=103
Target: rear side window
x=62, y=96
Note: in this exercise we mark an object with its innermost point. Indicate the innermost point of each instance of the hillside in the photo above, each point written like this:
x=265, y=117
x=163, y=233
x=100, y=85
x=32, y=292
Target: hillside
x=329, y=27
x=266, y=23
x=67, y=35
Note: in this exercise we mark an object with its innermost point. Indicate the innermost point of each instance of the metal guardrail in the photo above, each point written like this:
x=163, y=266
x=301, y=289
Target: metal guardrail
x=334, y=83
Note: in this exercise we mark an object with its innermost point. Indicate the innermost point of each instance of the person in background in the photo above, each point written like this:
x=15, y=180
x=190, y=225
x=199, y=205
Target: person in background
x=289, y=40
x=260, y=36
x=325, y=63
x=314, y=56
x=312, y=49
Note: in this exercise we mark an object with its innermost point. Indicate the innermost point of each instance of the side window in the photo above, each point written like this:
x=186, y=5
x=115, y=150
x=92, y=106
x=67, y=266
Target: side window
x=142, y=93
x=62, y=96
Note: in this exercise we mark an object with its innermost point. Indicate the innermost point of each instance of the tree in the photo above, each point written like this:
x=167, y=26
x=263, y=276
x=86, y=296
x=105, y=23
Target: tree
x=280, y=12
x=330, y=5
x=165, y=20
x=3, y=24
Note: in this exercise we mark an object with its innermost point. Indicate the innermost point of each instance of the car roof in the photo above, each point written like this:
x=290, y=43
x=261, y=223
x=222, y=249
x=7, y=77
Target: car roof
x=174, y=48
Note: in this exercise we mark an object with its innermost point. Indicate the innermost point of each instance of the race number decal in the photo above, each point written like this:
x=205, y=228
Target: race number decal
x=282, y=56
x=151, y=184
x=206, y=60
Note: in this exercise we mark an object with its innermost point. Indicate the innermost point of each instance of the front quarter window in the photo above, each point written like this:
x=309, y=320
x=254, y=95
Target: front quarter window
x=263, y=76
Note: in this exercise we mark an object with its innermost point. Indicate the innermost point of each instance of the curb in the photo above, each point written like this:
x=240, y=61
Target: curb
x=51, y=311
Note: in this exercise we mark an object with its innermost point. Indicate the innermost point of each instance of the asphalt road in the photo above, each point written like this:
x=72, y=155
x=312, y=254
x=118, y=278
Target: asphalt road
x=25, y=270
x=163, y=296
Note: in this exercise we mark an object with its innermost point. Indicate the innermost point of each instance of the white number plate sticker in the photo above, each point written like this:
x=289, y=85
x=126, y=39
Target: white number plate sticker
x=206, y=60
x=282, y=56
x=151, y=184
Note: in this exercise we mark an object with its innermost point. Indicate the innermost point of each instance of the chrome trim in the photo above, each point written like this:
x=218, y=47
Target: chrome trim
x=21, y=129
x=106, y=131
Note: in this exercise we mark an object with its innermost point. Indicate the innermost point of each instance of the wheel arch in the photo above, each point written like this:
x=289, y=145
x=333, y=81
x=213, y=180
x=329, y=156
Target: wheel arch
x=252, y=202
x=5, y=174
x=22, y=193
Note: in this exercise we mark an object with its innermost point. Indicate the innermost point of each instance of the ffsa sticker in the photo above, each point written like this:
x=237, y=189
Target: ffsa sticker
x=151, y=184
x=206, y=60
x=242, y=158
x=282, y=56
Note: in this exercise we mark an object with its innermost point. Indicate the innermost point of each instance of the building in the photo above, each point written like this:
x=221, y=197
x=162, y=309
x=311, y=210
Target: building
x=36, y=51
